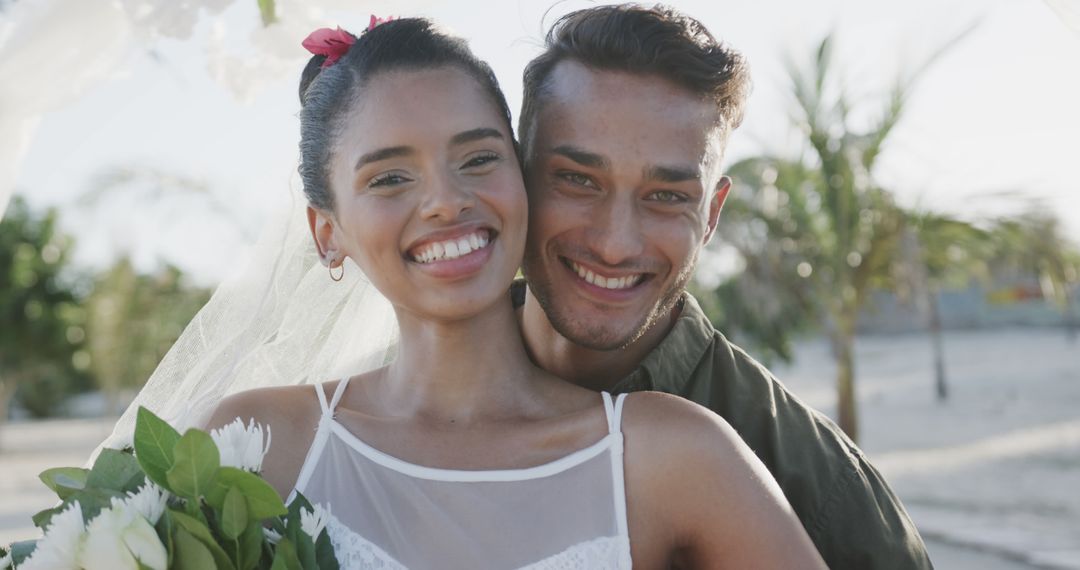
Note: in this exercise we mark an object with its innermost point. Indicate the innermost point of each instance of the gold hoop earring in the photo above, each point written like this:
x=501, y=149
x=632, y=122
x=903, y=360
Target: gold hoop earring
x=330, y=268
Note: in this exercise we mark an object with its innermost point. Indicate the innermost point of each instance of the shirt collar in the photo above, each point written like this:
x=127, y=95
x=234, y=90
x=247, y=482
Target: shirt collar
x=668, y=368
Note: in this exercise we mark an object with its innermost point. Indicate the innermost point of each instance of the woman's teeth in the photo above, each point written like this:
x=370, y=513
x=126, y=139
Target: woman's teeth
x=607, y=282
x=450, y=249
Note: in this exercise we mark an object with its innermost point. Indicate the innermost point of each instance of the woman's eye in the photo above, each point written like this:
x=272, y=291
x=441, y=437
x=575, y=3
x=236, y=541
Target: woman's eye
x=667, y=197
x=481, y=160
x=388, y=179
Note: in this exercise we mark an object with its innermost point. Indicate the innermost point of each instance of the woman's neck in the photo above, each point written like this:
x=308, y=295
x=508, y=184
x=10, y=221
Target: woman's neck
x=464, y=371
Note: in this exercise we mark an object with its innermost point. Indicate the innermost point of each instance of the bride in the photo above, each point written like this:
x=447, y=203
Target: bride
x=460, y=453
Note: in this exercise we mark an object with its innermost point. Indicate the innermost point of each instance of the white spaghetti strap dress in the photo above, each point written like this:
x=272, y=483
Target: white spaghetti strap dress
x=386, y=513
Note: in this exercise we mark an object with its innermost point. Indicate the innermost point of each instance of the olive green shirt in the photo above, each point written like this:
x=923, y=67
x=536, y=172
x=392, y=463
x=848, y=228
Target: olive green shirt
x=848, y=510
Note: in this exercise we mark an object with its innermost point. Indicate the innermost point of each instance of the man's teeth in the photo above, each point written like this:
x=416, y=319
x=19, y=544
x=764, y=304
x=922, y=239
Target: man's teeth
x=606, y=282
x=451, y=249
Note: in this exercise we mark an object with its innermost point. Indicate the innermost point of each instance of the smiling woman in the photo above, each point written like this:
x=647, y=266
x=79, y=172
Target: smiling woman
x=448, y=182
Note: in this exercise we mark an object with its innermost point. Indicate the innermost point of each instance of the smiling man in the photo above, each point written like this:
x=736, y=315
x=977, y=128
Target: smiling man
x=623, y=126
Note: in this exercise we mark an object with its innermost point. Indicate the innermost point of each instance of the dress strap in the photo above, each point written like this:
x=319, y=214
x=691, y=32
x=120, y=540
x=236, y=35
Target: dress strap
x=617, y=421
x=337, y=394
x=319, y=391
x=613, y=411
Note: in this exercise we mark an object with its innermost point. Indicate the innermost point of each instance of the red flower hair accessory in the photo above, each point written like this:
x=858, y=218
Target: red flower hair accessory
x=375, y=21
x=331, y=43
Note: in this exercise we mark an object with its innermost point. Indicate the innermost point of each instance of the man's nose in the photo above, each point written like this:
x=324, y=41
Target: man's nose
x=445, y=199
x=617, y=231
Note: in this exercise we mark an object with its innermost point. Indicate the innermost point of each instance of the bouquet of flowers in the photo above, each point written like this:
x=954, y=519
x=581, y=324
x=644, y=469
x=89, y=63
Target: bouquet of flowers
x=191, y=501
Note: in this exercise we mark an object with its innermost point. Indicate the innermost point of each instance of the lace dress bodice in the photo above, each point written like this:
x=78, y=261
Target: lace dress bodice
x=386, y=513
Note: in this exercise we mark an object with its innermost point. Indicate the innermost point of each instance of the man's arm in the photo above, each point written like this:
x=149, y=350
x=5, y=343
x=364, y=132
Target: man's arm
x=849, y=511
x=862, y=524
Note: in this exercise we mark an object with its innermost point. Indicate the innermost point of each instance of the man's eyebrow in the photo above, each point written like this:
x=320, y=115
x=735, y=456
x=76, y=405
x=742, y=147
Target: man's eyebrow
x=673, y=173
x=475, y=135
x=383, y=154
x=582, y=157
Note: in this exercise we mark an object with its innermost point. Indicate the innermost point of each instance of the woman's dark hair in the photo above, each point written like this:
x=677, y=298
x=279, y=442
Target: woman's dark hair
x=327, y=94
x=657, y=41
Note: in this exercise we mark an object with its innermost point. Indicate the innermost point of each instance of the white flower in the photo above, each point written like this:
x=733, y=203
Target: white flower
x=5, y=562
x=313, y=522
x=149, y=501
x=240, y=446
x=118, y=537
x=60, y=547
x=270, y=534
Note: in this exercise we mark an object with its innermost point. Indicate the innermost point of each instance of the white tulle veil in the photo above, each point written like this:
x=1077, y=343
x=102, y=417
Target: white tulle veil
x=279, y=321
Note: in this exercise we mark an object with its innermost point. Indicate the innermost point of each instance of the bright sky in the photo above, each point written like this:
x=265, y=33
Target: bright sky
x=994, y=123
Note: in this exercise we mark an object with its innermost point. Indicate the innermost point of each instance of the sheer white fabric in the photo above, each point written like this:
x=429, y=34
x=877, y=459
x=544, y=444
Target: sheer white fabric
x=280, y=321
x=391, y=514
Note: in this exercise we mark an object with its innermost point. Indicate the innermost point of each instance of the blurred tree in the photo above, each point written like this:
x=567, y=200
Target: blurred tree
x=1033, y=244
x=42, y=324
x=939, y=252
x=817, y=233
x=132, y=322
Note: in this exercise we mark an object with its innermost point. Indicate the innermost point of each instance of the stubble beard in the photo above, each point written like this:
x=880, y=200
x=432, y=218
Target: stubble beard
x=595, y=336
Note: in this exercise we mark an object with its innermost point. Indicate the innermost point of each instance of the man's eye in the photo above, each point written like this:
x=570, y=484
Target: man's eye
x=388, y=179
x=576, y=178
x=481, y=160
x=667, y=197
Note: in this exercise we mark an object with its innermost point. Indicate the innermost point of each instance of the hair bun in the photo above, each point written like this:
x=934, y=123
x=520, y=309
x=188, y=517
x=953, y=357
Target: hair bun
x=307, y=77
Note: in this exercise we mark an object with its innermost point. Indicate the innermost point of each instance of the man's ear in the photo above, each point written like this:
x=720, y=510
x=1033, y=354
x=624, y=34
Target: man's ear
x=723, y=187
x=322, y=231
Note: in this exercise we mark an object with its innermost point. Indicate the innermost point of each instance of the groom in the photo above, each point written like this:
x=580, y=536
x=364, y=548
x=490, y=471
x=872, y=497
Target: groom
x=623, y=126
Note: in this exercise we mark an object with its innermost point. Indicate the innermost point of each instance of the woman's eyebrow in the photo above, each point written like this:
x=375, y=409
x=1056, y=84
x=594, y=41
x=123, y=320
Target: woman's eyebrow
x=397, y=151
x=475, y=135
x=383, y=154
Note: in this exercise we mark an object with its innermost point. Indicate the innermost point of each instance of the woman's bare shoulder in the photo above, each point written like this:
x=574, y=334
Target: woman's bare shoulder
x=685, y=464
x=284, y=406
x=669, y=424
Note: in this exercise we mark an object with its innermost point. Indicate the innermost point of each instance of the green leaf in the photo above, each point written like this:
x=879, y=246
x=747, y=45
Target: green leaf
x=165, y=530
x=234, y=513
x=115, y=471
x=191, y=553
x=324, y=552
x=251, y=542
x=64, y=480
x=42, y=518
x=154, y=443
x=285, y=557
x=198, y=530
x=195, y=462
x=266, y=10
x=305, y=551
x=93, y=501
x=22, y=550
x=262, y=500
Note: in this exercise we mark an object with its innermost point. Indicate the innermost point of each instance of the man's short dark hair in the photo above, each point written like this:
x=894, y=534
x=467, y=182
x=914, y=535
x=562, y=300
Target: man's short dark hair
x=656, y=41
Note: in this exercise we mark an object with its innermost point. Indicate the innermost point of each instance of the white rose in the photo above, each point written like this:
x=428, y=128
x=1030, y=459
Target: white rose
x=118, y=537
x=59, y=548
x=241, y=446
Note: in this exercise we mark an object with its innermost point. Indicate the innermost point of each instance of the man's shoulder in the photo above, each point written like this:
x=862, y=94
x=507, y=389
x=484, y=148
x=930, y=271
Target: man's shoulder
x=758, y=405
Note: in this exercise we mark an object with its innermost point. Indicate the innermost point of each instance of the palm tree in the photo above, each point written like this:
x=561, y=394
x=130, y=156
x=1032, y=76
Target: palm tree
x=938, y=251
x=1033, y=244
x=818, y=232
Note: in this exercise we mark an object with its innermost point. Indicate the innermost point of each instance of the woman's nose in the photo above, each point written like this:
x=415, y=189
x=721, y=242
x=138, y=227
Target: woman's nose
x=446, y=199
